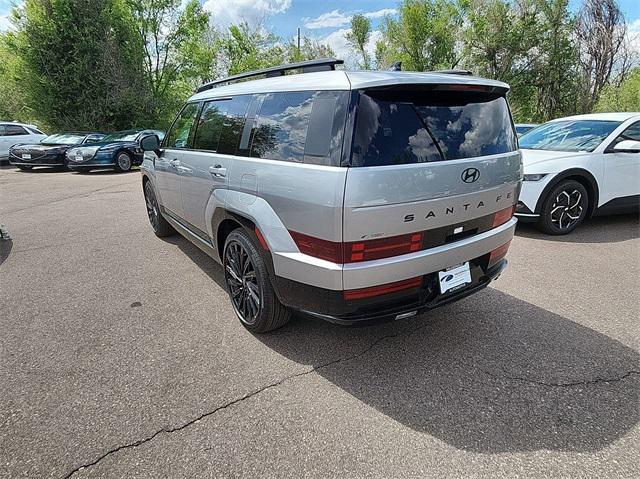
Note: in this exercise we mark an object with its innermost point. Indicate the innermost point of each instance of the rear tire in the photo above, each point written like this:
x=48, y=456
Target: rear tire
x=564, y=208
x=123, y=162
x=161, y=226
x=252, y=295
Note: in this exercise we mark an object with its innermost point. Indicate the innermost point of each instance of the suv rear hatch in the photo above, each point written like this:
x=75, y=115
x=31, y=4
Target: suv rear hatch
x=429, y=164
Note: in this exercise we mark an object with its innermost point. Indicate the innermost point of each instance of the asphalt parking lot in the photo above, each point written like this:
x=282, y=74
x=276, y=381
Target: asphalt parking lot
x=120, y=356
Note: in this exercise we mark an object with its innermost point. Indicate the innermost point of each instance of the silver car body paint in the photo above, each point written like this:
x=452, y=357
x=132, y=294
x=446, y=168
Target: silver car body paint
x=334, y=203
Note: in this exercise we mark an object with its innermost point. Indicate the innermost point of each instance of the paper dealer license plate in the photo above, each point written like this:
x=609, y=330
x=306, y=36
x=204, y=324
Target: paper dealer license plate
x=26, y=156
x=454, y=277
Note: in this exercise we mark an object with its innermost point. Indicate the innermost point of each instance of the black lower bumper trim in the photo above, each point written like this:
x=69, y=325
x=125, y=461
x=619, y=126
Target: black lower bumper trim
x=417, y=307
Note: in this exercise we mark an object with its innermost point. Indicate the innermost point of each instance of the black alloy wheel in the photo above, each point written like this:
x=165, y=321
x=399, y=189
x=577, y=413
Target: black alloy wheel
x=252, y=295
x=161, y=226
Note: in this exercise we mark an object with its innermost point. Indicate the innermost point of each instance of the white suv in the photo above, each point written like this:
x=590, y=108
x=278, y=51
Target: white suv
x=12, y=133
x=578, y=167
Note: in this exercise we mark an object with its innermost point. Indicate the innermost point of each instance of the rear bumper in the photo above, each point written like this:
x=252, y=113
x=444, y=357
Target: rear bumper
x=328, y=306
x=305, y=269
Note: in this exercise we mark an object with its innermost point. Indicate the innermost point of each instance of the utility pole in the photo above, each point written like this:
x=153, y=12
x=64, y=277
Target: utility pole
x=298, y=41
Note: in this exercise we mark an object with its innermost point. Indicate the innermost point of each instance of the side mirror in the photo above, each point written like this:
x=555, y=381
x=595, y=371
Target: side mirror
x=627, y=146
x=150, y=143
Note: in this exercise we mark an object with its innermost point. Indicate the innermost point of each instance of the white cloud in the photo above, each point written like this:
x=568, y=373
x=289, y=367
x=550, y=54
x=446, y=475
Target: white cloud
x=381, y=13
x=336, y=18
x=229, y=12
x=337, y=41
x=633, y=37
x=331, y=19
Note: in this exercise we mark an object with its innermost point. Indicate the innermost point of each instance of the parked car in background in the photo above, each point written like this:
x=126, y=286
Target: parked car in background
x=120, y=151
x=580, y=166
x=12, y=133
x=522, y=128
x=351, y=198
x=51, y=151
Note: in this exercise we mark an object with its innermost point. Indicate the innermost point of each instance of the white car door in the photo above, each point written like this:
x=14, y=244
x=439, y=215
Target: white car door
x=621, y=170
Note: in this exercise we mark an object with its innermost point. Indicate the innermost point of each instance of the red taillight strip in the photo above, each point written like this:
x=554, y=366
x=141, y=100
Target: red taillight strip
x=383, y=289
x=356, y=251
x=319, y=248
x=499, y=253
x=502, y=216
x=263, y=242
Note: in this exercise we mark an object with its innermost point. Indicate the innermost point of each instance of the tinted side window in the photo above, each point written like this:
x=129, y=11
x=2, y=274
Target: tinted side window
x=631, y=133
x=11, y=130
x=209, y=126
x=396, y=127
x=2, y=130
x=234, y=111
x=281, y=127
x=180, y=134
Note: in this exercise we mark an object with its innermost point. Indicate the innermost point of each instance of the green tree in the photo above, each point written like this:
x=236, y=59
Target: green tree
x=626, y=97
x=13, y=103
x=78, y=63
x=309, y=50
x=245, y=48
x=529, y=45
x=359, y=36
x=423, y=36
x=178, y=51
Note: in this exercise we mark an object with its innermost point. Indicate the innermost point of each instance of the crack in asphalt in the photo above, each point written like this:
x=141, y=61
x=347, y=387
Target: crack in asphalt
x=277, y=383
x=405, y=331
x=587, y=382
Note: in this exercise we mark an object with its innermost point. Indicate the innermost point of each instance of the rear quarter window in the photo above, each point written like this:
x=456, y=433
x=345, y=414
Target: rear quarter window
x=404, y=127
x=303, y=127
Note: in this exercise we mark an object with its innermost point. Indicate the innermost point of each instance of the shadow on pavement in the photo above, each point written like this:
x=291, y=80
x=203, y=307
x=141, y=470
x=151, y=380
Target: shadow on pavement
x=489, y=374
x=602, y=229
x=5, y=249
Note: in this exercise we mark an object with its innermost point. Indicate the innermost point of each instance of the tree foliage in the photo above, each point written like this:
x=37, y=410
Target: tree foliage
x=359, y=36
x=625, y=97
x=114, y=64
x=423, y=36
x=78, y=64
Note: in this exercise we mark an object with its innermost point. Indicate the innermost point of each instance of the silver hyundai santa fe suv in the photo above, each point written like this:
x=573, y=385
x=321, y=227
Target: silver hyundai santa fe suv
x=348, y=196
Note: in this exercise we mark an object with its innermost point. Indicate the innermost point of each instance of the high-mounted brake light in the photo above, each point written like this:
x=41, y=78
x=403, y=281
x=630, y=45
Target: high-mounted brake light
x=383, y=289
x=502, y=216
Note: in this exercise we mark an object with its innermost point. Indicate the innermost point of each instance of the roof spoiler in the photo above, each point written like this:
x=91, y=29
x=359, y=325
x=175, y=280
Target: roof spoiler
x=453, y=72
x=309, y=66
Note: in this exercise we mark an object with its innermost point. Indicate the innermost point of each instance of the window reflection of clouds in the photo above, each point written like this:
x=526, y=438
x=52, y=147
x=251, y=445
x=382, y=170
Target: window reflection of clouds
x=475, y=129
x=285, y=116
x=389, y=130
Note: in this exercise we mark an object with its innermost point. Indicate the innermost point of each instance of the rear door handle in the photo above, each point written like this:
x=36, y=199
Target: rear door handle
x=218, y=171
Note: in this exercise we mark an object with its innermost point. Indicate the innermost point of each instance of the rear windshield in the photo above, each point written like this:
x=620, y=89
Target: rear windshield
x=403, y=127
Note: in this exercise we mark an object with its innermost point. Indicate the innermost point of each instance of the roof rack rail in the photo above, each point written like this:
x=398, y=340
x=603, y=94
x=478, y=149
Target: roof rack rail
x=453, y=72
x=321, y=64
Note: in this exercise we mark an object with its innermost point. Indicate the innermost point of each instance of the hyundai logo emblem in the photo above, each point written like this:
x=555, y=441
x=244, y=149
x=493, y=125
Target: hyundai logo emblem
x=470, y=175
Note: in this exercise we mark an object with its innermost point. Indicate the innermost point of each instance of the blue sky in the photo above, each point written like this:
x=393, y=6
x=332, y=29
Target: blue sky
x=325, y=20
